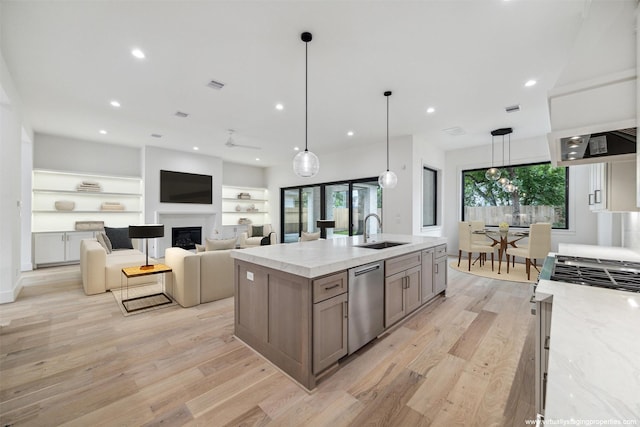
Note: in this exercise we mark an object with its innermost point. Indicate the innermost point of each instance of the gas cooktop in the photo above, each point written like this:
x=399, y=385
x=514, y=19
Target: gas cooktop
x=604, y=273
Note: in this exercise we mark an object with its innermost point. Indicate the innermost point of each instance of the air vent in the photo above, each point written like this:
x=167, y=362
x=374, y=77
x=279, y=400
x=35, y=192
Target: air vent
x=181, y=114
x=512, y=108
x=156, y=135
x=215, y=85
x=454, y=131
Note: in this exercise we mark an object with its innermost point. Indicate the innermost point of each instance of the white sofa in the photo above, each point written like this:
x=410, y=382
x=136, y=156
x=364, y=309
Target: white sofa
x=250, y=238
x=200, y=277
x=102, y=272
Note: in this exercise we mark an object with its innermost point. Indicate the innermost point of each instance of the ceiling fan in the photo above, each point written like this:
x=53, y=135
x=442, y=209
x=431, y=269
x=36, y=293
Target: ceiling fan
x=231, y=143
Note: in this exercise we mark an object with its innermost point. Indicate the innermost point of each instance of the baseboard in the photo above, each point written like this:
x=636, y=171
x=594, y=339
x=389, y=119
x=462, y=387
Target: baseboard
x=11, y=295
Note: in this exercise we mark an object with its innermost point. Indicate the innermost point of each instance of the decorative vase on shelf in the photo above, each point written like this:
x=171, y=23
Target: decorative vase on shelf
x=238, y=208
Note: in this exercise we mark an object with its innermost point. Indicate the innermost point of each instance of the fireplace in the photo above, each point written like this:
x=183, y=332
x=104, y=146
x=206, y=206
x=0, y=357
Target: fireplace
x=186, y=237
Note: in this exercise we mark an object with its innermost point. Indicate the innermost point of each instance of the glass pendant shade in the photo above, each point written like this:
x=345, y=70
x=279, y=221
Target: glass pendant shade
x=306, y=164
x=493, y=174
x=503, y=181
x=387, y=179
x=510, y=188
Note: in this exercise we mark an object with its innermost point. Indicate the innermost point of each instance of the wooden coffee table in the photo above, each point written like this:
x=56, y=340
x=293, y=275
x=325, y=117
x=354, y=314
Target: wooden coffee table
x=154, y=300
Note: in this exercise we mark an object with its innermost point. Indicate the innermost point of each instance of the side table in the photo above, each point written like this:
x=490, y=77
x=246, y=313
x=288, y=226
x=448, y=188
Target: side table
x=154, y=300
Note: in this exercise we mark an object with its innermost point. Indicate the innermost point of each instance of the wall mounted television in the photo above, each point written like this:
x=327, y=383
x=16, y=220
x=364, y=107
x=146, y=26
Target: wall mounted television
x=182, y=187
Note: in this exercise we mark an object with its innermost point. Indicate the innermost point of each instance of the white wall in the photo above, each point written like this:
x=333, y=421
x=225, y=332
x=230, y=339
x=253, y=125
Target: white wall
x=426, y=154
x=352, y=163
x=582, y=222
x=238, y=175
x=12, y=128
x=62, y=153
x=156, y=159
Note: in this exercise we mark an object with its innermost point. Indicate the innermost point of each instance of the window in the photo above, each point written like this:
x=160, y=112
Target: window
x=429, y=197
x=541, y=195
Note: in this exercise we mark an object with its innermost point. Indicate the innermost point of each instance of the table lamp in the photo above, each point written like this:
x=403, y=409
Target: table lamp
x=146, y=231
x=323, y=224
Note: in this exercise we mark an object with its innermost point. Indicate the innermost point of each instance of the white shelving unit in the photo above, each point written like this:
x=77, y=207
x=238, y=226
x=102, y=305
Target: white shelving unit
x=254, y=208
x=51, y=186
x=55, y=237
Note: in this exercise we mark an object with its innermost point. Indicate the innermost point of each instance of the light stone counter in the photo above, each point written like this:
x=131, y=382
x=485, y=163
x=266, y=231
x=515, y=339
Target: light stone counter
x=594, y=356
x=320, y=257
x=594, y=251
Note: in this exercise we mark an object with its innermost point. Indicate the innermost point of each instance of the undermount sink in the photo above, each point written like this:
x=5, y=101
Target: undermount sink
x=381, y=245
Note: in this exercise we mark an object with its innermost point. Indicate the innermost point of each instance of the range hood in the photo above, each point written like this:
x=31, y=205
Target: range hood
x=597, y=144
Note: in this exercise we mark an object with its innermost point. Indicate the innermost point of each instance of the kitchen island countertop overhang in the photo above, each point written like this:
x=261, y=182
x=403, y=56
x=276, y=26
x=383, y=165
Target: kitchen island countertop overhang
x=321, y=257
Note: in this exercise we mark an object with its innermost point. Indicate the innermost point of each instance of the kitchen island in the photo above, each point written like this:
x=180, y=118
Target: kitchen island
x=292, y=301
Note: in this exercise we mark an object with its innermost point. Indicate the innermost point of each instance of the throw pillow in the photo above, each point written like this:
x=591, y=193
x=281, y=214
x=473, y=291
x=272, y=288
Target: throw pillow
x=256, y=230
x=266, y=240
x=220, y=244
x=102, y=238
x=119, y=237
x=200, y=248
x=306, y=237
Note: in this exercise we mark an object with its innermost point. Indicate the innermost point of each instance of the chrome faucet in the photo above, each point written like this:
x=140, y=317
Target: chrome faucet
x=366, y=236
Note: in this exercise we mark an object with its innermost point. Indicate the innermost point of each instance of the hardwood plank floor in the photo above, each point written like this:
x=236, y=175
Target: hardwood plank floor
x=71, y=359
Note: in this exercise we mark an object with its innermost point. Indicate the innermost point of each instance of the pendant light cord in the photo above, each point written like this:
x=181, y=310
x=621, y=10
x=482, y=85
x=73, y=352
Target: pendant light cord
x=306, y=93
x=387, y=134
x=492, y=144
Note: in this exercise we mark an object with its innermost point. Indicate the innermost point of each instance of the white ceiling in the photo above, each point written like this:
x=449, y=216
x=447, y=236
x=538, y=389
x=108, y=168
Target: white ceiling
x=467, y=59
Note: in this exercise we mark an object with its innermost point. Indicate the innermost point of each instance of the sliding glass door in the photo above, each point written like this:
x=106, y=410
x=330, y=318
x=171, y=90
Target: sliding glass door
x=347, y=203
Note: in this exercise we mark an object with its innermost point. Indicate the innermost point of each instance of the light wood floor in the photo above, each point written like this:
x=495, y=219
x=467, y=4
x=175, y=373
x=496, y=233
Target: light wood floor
x=71, y=359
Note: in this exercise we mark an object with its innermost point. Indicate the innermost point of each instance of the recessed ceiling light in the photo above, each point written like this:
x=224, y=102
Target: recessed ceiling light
x=350, y=133
x=279, y=107
x=573, y=152
x=431, y=110
x=102, y=132
x=137, y=53
x=115, y=103
x=257, y=159
x=296, y=149
x=196, y=148
x=530, y=83
x=571, y=158
x=575, y=137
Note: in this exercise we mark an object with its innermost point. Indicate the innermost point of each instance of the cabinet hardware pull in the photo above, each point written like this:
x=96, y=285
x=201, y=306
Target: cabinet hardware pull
x=546, y=342
x=597, y=197
x=366, y=270
x=436, y=268
x=345, y=309
x=327, y=288
x=590, y=199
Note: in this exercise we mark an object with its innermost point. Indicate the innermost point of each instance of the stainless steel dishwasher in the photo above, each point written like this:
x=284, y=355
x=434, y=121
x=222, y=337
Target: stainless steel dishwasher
x=366, y=304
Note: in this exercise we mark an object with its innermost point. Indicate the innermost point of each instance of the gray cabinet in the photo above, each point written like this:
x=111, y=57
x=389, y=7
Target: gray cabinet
x=58, y=247
x=543, y=341
x=428, y=290
x=402, y=286
x=440, y=269
x=330, y=320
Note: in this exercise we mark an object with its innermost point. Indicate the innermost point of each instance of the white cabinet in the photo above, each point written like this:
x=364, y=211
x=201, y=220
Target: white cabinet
x=58, y=247
x=60, y=199
x=544, y=307
x=612, y=187
x=245, y=205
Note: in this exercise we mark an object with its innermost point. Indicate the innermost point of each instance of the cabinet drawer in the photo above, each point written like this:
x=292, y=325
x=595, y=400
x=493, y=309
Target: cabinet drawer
x=441, y=251
x=329, y=286
x=401, y=263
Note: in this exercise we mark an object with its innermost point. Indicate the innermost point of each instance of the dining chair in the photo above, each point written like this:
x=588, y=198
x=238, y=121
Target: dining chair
x=479, y=239
x=539, y=246
x=307, y=237
x=466, y=244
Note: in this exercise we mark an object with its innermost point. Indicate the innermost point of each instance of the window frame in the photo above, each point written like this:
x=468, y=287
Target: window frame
x=436, y=217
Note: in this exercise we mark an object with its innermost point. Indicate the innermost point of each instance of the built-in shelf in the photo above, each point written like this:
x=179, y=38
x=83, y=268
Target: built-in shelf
x=234, y=208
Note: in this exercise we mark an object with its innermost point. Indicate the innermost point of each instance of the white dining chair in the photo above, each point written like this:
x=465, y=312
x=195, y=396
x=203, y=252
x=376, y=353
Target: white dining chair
x=466, y=244
x=538, y=248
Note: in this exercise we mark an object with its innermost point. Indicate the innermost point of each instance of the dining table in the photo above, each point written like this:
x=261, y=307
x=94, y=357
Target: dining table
x=503, y=238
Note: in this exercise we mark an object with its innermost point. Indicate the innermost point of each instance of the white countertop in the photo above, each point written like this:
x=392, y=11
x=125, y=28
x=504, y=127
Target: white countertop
x=594, y=355
x=320, y=257
x=594, y=251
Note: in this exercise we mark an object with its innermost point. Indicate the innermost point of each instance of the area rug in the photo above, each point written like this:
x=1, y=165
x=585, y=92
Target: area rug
x=144, y=304
x=516, y=274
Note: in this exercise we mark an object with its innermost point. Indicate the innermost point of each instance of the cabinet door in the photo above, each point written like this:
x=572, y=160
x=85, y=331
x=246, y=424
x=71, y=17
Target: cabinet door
x=49, y=248
x=329, y=331
x=412, y=289
x=440, y=275
x=427, y=275
x=394, y=298
x=72, y=250
x=252, y=309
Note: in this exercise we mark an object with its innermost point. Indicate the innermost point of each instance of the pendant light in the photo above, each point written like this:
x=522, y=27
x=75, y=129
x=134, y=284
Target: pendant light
x=503, y=181
x=509, y=187
x=305, y=163
x=493, y=173
x=387, y=179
